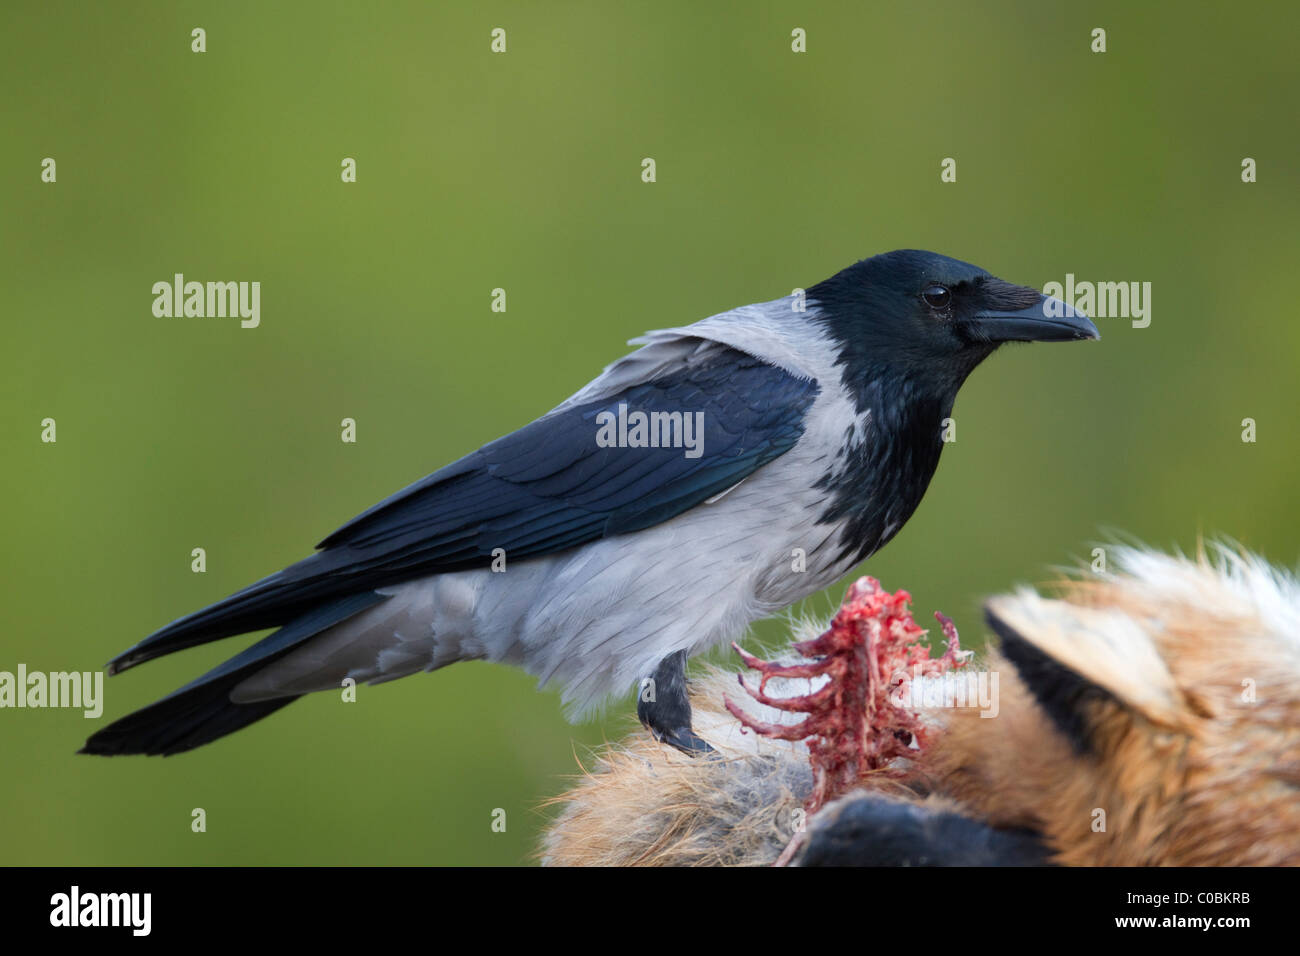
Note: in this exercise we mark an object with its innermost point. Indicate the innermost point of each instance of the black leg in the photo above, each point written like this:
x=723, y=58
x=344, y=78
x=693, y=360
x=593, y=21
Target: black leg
x=665, y=709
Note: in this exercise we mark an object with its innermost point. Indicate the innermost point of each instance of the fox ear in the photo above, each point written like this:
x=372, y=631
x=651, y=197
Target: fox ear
x=1071, y=656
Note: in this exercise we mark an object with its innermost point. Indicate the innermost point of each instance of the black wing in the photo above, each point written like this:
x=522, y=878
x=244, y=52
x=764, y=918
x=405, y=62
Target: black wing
x=543, y=489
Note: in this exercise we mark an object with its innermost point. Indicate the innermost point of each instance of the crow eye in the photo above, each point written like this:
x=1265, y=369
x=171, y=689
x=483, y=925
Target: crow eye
x=937, y=297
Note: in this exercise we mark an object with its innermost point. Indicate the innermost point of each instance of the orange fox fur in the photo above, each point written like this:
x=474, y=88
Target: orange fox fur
x=1190, y=729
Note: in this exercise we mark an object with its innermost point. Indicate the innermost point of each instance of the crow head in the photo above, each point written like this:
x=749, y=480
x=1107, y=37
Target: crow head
x=932, y=319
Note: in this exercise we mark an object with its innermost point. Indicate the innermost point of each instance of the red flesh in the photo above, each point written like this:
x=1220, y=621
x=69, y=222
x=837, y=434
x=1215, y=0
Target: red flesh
x=853, y=728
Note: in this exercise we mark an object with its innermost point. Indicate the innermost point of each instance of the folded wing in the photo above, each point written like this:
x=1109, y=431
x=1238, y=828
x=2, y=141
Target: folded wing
x=546, y=488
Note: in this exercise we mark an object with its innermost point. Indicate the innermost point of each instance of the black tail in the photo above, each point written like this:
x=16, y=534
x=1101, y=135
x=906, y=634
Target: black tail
x=274, y=601
x=202, y=710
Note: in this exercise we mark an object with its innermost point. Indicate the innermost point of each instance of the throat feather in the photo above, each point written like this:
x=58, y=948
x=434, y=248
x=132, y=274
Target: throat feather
x=883, y=474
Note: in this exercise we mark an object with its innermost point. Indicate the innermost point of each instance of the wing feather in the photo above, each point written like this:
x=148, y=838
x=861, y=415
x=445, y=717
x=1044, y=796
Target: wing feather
x=546, y=488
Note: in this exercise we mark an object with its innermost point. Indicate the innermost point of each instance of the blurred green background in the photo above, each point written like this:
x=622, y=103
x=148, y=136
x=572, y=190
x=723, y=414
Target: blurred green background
x=522, y=171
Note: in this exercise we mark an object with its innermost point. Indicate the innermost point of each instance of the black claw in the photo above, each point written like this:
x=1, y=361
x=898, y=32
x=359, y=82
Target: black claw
x=687, y=741
x=664, y=707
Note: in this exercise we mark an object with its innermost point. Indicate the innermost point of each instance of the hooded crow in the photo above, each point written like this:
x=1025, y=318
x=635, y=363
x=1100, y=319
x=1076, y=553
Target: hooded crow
x=712, y=477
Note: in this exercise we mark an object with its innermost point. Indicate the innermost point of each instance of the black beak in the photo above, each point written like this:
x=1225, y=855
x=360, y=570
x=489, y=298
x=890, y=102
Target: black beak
x=1048, y=320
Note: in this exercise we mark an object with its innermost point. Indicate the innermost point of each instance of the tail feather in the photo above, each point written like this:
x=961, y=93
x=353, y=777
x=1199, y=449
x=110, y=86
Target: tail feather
x=276, y=600
x=202, y=710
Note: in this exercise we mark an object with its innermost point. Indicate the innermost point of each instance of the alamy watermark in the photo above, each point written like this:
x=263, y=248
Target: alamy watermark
x=75, y=908
x=213, y=300
x=953, y=689
x=639, y=429
x=84, y=690
x=1102, y=300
